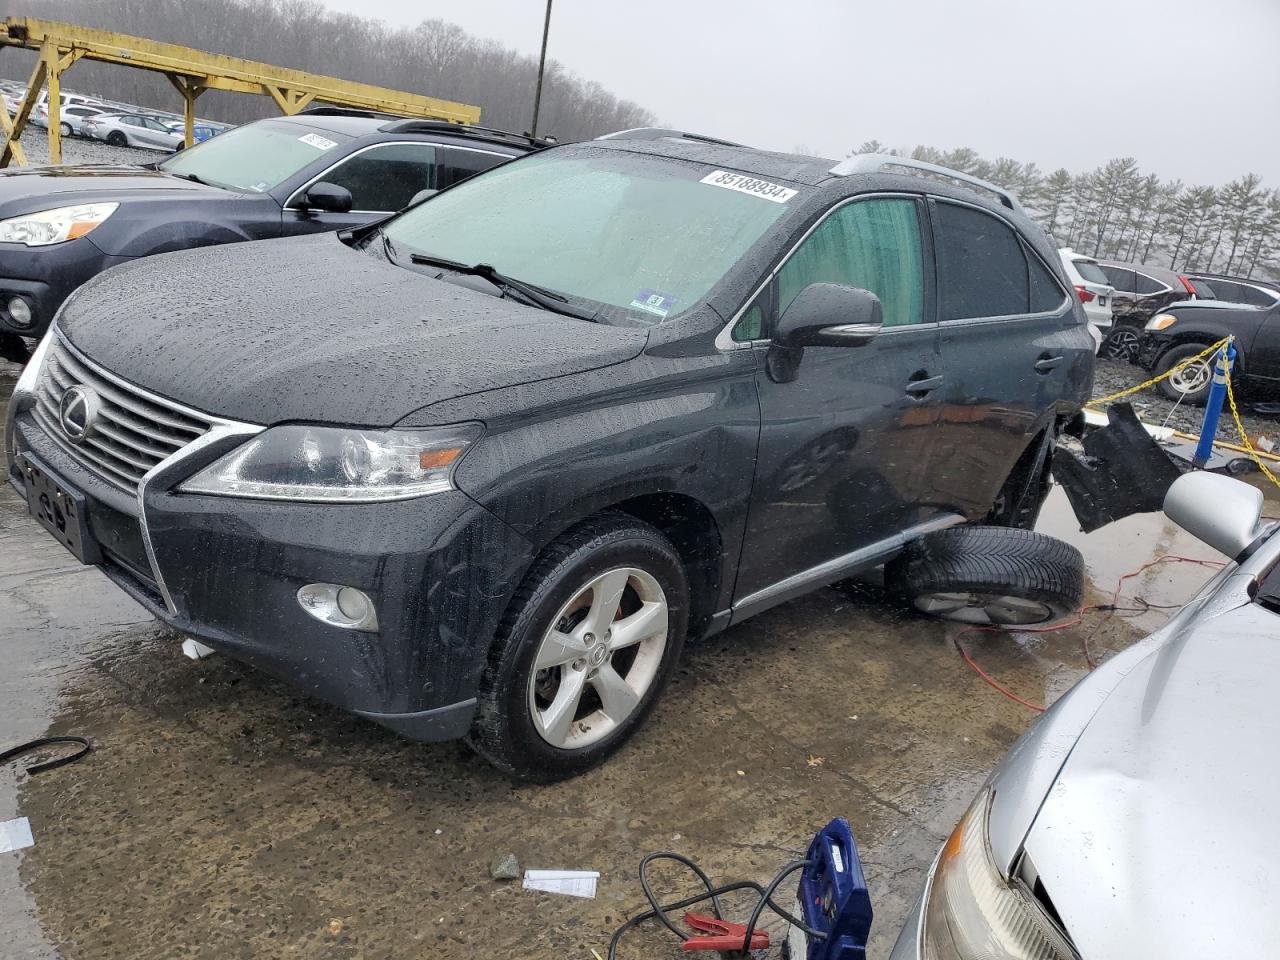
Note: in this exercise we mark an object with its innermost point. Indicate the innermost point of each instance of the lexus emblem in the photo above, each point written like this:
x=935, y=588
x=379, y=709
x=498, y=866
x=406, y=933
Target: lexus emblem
x=77, y=412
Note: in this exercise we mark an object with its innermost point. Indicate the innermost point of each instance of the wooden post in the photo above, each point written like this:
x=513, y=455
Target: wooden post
x=49, y=54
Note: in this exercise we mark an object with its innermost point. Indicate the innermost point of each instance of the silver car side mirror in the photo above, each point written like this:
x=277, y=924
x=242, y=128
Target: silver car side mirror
x=1223, y=512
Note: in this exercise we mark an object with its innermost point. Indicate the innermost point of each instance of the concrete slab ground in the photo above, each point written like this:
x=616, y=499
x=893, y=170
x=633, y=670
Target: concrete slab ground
x=223, y=816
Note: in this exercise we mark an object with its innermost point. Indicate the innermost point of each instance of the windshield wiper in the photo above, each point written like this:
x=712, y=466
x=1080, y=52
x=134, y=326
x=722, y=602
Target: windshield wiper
x=537, y=296
x=188, y=176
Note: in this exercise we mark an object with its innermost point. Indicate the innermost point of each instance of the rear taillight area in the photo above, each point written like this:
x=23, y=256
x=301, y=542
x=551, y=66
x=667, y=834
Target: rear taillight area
x=1191, y=290
x=1085, y=295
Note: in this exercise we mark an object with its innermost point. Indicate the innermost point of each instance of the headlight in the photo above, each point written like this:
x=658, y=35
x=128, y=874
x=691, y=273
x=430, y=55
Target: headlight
x=1161, y=320
x=973, y=912
x=55, y=226
x=328, y=464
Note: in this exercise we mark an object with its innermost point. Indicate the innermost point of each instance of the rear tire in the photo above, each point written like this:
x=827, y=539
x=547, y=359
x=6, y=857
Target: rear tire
x=1191, y=383
x=556, y=656
x=989, y=576
x=64, y=129
x=117, y=139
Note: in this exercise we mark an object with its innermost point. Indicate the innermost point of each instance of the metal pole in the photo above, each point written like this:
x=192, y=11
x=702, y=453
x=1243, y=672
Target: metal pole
x=1213, y=403
x=542, y=65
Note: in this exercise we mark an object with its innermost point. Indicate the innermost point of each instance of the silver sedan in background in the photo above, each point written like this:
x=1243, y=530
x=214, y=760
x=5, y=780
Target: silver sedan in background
x=132, y=130
x=1136, y=818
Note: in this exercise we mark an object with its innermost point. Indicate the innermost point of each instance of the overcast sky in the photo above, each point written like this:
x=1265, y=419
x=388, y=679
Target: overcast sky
x=1191, y=88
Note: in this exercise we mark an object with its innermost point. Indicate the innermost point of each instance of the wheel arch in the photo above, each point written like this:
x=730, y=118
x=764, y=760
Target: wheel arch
x=686, y=521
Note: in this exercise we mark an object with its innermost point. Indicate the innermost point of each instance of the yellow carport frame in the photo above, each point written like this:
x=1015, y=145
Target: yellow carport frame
x=191, y=71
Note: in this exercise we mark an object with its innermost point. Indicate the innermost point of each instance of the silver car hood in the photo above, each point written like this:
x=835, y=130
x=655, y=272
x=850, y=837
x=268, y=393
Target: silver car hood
x=1158, y=838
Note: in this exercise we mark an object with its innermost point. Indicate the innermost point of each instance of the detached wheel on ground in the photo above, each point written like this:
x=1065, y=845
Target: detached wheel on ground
x=1191, y=383
x=991, y=576
x=584, y=651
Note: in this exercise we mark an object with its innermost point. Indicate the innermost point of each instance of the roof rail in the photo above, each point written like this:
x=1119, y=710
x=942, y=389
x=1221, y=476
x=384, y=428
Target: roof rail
x=324, y=110
x=663, y=133
x=875, y=162
x=403, y=125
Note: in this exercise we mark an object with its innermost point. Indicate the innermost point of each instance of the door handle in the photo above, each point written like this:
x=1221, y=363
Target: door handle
x=1047, y=363
x=921, y=384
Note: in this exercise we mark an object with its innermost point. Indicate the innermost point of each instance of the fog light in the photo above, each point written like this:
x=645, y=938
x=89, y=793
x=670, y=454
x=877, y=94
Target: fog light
x=339, y=606
x=19, y=312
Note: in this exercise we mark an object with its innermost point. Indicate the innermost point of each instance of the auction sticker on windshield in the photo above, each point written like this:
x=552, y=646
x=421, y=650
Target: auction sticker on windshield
x=317, y=141
x=763, y=189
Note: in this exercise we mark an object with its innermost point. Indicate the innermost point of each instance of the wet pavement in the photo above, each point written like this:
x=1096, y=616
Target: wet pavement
x=223, y=816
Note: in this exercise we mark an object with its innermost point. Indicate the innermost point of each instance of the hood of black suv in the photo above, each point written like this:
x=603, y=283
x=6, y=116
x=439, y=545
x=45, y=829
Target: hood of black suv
x=308, y=329
x=29, y=189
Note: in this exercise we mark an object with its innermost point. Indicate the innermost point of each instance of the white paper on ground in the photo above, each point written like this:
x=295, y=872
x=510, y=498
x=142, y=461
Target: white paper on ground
x=16, y=835
x=571, y=883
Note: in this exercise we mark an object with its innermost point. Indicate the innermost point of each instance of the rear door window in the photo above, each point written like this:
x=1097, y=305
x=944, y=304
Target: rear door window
x=1145, y=285
x=982, y=271
x=873, y=244
x=457, y=164
x=384, y=178
x=1119, y=277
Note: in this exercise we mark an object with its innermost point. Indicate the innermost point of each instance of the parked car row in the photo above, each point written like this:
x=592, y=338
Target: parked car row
x=1121, y=300
x=117, y=124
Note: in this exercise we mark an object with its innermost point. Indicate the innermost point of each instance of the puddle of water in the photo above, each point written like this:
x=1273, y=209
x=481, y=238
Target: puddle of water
x=1124, y=546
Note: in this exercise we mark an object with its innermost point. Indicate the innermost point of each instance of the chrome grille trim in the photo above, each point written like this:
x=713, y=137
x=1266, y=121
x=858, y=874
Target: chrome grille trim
x=147, y=435
x=137, y=429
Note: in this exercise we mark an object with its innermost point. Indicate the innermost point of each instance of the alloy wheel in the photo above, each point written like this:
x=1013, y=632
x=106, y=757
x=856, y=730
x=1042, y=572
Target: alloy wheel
x=1121, y=344
x=984, y=609
x=598, y=658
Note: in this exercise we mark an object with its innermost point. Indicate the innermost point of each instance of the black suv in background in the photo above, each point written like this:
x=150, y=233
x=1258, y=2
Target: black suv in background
x=480, y=470
x=324, y=169
x=1183, y=330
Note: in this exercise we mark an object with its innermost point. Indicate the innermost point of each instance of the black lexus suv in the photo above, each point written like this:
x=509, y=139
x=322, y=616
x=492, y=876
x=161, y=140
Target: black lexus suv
x=480, y=470
x=324, y=169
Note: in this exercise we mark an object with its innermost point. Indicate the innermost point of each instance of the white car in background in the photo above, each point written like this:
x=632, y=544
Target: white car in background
x=1095, y=292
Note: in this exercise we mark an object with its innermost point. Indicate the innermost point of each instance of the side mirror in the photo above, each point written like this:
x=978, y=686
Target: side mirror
x=418, y=197
x=1223, y=512
x=829, y=315
x=328, y=197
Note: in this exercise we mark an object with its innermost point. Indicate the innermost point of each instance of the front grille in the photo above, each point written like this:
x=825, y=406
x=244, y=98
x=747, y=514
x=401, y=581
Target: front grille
x=133, y=431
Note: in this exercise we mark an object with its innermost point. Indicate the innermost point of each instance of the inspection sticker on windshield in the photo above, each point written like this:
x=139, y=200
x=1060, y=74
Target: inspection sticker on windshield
x=654, y=301
x=317, y=141
x=763, y=189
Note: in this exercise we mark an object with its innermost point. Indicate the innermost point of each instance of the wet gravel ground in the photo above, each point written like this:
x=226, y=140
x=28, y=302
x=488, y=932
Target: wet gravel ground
x=35, y=141
x=1111, y=376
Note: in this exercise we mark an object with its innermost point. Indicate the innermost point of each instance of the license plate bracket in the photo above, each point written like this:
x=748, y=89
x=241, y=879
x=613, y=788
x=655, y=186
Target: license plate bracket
x=59, y=508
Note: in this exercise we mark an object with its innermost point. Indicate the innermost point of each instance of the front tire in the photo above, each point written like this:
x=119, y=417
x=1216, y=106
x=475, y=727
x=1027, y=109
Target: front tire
x=585, y=649
x=65, y=129
x=989, y=576
x=1191, y=383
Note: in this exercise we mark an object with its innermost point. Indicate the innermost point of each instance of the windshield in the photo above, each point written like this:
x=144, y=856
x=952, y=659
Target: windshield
x=255, y=158
x=646, y=237
x=1090, y=272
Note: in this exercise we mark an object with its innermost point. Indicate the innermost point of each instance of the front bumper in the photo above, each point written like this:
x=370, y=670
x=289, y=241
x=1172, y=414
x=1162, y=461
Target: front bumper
x=46, y=276
x=1151, y=345
x=440, y=570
